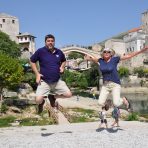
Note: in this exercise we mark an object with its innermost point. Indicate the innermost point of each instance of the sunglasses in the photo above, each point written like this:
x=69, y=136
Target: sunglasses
x=106, y=51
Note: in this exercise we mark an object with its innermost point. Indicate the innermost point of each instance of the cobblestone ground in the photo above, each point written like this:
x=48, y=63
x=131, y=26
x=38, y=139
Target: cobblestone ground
x=80, y=135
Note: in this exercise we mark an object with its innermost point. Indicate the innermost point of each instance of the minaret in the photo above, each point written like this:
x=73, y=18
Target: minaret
x=145, y=25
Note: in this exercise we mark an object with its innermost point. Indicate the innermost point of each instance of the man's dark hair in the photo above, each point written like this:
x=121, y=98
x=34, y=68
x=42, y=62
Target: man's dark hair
x=49, y=36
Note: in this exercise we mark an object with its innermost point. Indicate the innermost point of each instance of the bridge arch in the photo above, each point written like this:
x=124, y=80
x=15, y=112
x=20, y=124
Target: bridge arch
x=89, y=52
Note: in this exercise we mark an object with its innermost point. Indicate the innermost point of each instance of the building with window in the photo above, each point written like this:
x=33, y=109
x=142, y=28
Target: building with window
x=27, y=40
x=9, y=25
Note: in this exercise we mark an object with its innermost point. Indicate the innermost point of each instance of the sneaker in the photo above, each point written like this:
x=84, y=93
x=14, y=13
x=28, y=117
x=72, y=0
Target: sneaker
x=52, y=100
x=40, y=107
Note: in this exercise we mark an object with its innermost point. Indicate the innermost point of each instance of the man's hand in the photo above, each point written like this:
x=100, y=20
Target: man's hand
x=38, y=78
x=62, y=69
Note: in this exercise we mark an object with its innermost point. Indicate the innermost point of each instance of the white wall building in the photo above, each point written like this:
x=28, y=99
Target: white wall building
x=135, y=41
x=27, y=40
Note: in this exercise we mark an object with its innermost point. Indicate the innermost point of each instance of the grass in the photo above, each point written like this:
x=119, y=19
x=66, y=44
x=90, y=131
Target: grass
x=36, y=122
x=5, y=121
x=87, y=111
x=75, y=119
x=82, y=115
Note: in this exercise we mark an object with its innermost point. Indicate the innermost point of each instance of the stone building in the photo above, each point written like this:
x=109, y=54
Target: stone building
x=117, y=45
x=27, y=40
x=135, y=41
x=131, y=41
x=9, y=25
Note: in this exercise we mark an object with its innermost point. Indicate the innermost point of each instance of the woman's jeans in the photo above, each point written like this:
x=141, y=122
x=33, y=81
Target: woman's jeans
x=115, y=89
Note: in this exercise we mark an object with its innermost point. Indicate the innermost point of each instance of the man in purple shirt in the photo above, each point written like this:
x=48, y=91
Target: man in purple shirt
x=52, y=63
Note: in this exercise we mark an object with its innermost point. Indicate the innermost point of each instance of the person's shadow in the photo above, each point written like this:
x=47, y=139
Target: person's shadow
x=110, y=130
x=100, y=129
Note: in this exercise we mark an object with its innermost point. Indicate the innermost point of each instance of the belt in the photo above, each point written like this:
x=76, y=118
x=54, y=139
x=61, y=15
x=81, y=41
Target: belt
x=106, y=82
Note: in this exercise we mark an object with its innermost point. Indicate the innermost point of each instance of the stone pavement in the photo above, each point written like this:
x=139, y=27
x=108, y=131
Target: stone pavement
x=131, y=134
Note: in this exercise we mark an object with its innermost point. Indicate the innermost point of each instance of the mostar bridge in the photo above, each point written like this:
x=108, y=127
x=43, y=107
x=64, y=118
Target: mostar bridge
x=80, y=50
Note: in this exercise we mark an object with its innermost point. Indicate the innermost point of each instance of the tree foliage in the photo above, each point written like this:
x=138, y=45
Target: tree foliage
x=11, y=72
x=123, y=72
x=92, y=75
x=75, y=55
x=8, y=46
x=141, y=72
x=82, y=79
x=75, y=79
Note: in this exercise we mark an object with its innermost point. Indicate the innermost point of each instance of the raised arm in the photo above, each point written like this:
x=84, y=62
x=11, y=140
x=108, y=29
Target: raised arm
x=89, y=58
x=130, y=55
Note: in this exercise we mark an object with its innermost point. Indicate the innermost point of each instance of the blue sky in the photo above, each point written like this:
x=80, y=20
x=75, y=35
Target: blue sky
x=82, y=22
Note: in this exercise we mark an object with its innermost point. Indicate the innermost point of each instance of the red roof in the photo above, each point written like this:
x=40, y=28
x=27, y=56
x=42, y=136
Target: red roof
x=134, y=29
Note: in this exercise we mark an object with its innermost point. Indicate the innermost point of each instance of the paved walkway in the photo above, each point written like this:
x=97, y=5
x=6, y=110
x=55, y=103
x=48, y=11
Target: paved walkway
x=81, y=135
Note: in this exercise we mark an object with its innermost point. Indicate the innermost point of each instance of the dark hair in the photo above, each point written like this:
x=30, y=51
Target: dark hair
x=49, y=36
x=106, y=107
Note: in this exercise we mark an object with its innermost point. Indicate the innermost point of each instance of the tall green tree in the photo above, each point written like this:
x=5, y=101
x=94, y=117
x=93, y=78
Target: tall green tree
x=93, y=75
x=11, y=72
x=75, y=79
x=8, y=46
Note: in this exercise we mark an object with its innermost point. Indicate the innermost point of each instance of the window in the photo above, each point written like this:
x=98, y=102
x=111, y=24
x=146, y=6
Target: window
x=133, y=48
x=143, y=44
x=0, y=25
x=13, y=21
x=3, y=20
x=25, y=38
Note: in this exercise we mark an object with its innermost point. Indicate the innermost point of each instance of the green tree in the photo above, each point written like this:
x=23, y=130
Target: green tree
x=141, y=71
x=11, y=72
x=8, y=46
x=123, y=72
x=75, y=79
x=93, y=76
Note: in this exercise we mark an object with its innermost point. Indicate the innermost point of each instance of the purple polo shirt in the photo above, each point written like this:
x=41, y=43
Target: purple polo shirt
x=109, y=69
x=49, y=63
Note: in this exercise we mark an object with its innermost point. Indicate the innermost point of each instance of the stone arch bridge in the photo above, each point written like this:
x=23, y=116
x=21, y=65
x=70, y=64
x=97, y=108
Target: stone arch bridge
x=80, y=50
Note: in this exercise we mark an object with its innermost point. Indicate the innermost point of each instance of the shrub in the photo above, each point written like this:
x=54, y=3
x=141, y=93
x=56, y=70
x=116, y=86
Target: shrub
x=132, y=117
x=3, y=108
